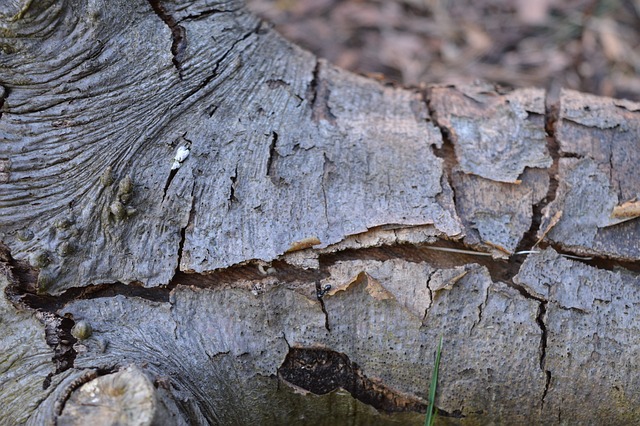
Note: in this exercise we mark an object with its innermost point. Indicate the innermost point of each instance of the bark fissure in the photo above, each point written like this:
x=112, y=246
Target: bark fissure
x=320, y=292
x=319, y=92
x=273, y=154
x=172, y=174
x=183, y=230
x=540, y=318
x=326, y=169
x=178, y=34
x=232, y=188
x=428, y=284
x=480, y=310
x=542, y=311
x=312, y=90
x=207, y=13
x=58, y=336
x=598, y=262
x=447, y=151
x=4, y=92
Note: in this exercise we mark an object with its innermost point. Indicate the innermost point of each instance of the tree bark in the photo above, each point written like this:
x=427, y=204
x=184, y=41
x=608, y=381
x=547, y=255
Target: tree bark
x=204, y=224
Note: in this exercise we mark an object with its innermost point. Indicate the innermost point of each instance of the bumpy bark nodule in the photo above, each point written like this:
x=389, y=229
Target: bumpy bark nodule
x=204, y=224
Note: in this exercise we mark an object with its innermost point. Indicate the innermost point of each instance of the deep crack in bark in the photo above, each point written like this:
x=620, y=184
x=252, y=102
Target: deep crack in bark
x=58, y=336
x=273, y=155
x=232, y=188
x=447, y=151
x=318, y=94
x=319, y=295
x=178, y=34
x=540, y=317
x=480, y=309
x=542, y=311
x=4, y=92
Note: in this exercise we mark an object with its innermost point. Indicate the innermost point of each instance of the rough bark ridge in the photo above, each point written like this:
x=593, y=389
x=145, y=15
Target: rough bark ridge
x=202, y=221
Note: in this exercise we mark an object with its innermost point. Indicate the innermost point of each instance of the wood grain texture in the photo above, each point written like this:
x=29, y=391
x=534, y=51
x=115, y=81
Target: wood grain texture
x=282, y=148
x=265, y=238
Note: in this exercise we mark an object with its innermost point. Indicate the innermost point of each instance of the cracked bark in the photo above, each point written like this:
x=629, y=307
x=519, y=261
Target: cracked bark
x=310, y=198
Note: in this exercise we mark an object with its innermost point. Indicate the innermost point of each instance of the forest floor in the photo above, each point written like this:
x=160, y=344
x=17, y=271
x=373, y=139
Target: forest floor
x=588, y=45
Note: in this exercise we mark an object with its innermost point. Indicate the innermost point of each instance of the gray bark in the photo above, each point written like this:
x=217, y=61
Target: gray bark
x=300, y=263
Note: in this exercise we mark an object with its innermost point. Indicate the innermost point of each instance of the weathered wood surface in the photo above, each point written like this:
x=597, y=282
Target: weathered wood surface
x=290, y=268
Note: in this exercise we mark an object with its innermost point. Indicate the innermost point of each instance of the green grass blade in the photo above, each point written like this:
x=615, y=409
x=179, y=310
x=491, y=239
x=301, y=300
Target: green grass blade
x=431, y=410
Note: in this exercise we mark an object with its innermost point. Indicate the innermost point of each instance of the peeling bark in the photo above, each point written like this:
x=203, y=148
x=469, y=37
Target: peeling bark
x=212, y=226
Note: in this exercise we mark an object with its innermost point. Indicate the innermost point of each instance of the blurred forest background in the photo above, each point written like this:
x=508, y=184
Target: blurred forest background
x=588, y=45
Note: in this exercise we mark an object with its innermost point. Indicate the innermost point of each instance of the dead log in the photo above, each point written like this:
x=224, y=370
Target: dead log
x=204, y=224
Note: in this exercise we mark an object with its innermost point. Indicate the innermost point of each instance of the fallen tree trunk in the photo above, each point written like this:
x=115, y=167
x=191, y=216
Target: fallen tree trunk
x=202, y=223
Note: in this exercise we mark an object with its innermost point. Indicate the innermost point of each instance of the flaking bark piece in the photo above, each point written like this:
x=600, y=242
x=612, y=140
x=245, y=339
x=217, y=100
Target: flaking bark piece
x=495, y=135
x=603, y=179
x=606, y=130
x=496, y=215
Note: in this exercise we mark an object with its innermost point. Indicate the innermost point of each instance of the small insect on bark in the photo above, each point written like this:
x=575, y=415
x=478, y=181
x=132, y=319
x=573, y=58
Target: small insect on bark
x=321, y=292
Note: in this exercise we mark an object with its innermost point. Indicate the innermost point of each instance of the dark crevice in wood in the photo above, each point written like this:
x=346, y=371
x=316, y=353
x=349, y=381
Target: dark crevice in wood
x=172, y=174
x=206, y=13
x=273, y=154
x=327, y=167
x=212, y=110
x=58, y=336
x=540, y=317
x=426, y=311
x=480, y=310
x=603, y=263
x=4, y=92
x=524, y=292
x=178, y=34
x=447, y=151
x=232, y=189
x=547, y=383
x=23, y=295
x=320, y=292
x=53, y=304
x=542, y=311
x=499, y=269
x=530, y=238
x=22, y=278
x=552, y=111
x=319, y=92
x=284, y=274
x=570, y=155
x=321, y=371
x=312, y=90
x=183, y=231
